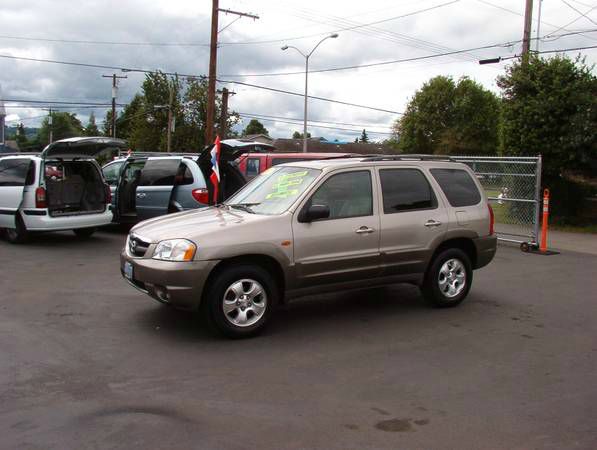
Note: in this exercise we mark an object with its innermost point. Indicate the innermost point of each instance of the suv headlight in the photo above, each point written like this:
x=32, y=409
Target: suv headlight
x=175, y=250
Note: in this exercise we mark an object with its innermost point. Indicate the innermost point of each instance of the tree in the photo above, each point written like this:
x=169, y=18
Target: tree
x=550, y=108
x=364, y=137
x=64, y=125
x=447, y=117
x=255, y=127
x=297, y=135
x=21, y=136
x=91, y=128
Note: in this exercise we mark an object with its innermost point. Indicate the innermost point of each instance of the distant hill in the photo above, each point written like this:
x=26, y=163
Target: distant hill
x=11, y=131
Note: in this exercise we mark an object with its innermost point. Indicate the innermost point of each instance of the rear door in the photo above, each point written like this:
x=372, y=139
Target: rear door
x=413, y=220
x=155, y=187
x=13, y=177
x=111, y=173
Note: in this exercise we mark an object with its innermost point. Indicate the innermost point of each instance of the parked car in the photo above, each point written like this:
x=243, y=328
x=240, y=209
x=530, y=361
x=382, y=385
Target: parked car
x=145, y=186
x=252, y=164
x=60, y=189
x=318, y=226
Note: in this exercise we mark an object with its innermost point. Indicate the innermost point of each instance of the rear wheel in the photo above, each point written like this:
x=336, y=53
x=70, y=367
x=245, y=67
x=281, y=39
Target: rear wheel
x=84, y=233
x=449, y=278
x=240, y=300
x=17, y=235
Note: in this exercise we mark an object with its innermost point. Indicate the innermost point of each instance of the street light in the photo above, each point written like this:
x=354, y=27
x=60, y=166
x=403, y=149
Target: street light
x=307, y=56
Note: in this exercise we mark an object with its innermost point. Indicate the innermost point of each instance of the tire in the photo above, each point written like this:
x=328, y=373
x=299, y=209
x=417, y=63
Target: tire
x=84, y=233
x=18, y=235
x=448, y=279
x=230, y=305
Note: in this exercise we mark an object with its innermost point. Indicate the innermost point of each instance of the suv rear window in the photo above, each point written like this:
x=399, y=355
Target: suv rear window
x=159, y=172
x=405, y=190
x=13, y=172
x=459, y=187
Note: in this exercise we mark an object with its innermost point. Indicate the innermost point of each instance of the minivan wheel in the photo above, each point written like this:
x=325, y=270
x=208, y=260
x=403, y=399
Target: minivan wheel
x=448, y=279
x=240, y=300
x=17, y=235
x=84, y=233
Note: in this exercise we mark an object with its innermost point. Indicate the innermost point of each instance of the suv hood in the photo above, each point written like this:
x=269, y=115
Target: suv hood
x=194, y=223
x=87, y=147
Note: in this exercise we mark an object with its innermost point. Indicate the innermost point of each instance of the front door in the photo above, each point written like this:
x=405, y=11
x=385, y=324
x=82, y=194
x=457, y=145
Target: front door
x=155, y=187
x=413, y=221
x=345, y=246
x=13, y=177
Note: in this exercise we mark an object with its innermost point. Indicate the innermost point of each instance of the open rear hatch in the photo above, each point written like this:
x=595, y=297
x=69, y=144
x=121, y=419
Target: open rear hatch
x=73, y=181
x=231, y=178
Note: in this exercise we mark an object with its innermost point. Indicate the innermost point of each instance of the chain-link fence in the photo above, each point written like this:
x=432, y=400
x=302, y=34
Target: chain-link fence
x=513, y=186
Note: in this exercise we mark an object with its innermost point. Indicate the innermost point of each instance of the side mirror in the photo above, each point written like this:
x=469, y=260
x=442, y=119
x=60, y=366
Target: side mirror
x=314, y=212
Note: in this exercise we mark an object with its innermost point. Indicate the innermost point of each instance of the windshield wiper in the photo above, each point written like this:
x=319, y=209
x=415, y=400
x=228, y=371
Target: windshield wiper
x=244, y=206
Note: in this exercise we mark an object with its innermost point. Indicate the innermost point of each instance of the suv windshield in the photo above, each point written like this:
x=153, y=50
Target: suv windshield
x=274, y=190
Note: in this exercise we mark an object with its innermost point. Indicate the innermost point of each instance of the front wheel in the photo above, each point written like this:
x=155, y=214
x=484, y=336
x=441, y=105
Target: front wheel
x=84, y=233
x=449, y=278
x=240, y=300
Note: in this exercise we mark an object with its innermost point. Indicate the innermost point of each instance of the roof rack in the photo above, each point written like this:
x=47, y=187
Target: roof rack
x=149, y=154
x=406, y=157
x=19, y=154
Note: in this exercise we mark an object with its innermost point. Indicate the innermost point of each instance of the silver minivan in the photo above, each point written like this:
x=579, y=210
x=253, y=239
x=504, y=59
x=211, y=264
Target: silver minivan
x=150, y=185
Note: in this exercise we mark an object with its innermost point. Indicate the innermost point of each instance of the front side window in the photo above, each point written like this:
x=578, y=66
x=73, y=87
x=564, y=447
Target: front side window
x=347, y=194
x=274, y=191
x=13, y=172
x=459, y=187
x=159, y=172
x=405, y=190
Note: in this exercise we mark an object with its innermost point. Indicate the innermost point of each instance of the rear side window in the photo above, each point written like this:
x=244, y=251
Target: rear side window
x=159, y=172
x=185, y=176
x=405, y=190
x=13, y=172
x=459, y=187
x=253, y=167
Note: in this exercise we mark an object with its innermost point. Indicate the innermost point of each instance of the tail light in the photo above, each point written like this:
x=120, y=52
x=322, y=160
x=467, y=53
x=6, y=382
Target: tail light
x=40, y=198
x=491, y=220
x=108, y=193
x=201, y=195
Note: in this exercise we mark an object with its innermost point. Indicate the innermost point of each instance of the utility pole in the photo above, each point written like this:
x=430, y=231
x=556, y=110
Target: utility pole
x=224, y=116
x=50, y=126
x=526, y=37
x=538, y=26
x=213, y=57
x=170, y=117
x=114, y=91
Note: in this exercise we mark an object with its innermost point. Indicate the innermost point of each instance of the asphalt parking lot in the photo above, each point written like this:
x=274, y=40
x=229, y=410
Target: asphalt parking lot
x=87, y=362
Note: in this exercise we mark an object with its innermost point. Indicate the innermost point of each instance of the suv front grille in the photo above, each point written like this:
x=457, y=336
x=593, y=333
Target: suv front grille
x=137, y=246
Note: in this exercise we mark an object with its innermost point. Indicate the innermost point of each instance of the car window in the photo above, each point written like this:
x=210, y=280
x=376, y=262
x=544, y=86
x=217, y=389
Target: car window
x=405, y=190
x=253, y=167
x=347, y=194
x=111, y=173
x=459, y=187
x=159, y=172
x=13, y=172
x=184, y=175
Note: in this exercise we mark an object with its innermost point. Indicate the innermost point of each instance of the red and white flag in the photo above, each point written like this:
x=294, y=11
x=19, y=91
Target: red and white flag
x=215, y=167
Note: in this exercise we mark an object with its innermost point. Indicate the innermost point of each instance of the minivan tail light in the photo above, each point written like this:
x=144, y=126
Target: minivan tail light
x=40, y=198
x=201, y=195
x=491, y=220
x=108, y=193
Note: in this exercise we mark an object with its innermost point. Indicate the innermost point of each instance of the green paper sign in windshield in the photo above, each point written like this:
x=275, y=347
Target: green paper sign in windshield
x=285, y=185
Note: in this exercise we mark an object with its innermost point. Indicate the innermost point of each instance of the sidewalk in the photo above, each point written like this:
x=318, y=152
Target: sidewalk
x=560, y=240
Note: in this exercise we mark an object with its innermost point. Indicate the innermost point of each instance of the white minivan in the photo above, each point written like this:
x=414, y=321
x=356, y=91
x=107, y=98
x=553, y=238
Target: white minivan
x=62, y=188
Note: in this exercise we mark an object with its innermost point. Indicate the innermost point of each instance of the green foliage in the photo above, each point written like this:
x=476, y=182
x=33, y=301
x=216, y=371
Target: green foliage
x=298, y=135
x=91, y=127
x=550, y=108
x=364, y=137
x=255, y=127
x=64, y=125
x=21, y=136
x=447, y=117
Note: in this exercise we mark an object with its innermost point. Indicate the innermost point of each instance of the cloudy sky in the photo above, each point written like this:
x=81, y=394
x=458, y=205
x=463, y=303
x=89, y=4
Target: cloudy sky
x=172, y=35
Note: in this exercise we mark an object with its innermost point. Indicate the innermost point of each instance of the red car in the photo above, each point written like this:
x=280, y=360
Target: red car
x=252, y=164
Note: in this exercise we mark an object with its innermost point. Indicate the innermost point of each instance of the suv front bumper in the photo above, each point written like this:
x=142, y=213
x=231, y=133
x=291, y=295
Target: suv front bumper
x=179, y=284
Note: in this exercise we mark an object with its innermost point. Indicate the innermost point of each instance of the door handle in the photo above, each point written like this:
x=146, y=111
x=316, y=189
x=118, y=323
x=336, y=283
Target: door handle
x=141, y=195
x=432, y=223
x=364, y=230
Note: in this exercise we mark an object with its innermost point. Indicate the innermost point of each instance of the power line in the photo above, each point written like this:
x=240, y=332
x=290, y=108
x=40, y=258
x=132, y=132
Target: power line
x=300, y=121
x=78, y=41
x=57, y=102
x=585, y=15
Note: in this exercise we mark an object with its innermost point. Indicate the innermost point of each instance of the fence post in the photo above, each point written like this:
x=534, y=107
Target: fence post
x=543, y=247
x=538, y=170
